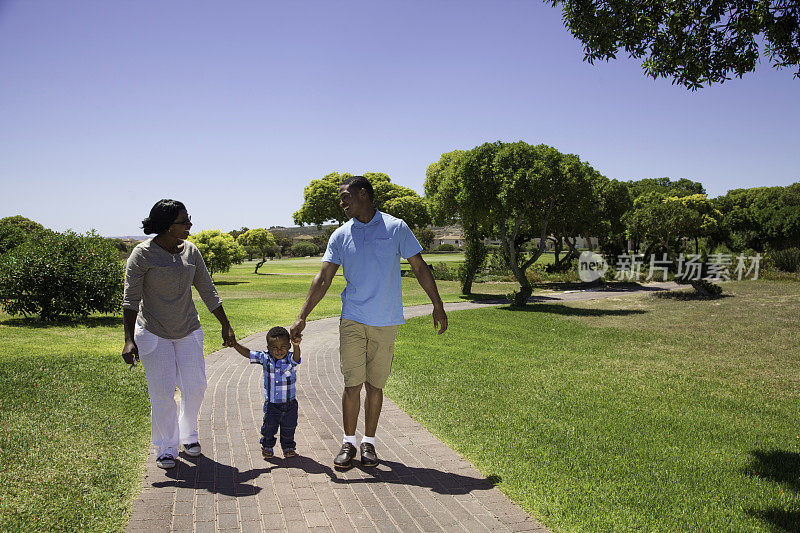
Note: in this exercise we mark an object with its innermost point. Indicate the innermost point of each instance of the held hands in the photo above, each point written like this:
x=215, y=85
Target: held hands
x=295, y=332
x=228, y=336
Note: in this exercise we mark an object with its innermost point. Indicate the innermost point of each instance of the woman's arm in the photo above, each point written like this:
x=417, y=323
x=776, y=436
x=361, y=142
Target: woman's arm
x=228, y=336
x=130, y=352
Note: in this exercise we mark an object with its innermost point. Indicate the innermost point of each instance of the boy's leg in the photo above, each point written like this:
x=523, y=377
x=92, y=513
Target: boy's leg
x=288, y=425
x=269, y=428
x=191, y=380
x=158, y=359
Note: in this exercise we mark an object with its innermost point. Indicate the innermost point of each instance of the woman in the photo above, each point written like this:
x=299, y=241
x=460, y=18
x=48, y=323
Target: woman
x=163, y=330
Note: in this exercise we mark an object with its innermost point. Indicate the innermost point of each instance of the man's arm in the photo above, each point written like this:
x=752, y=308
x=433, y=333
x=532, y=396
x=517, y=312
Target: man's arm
x=319, y=286
x=426, y=281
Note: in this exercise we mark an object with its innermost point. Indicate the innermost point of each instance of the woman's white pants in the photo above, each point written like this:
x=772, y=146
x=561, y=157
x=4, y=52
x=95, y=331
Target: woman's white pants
x=167, y=363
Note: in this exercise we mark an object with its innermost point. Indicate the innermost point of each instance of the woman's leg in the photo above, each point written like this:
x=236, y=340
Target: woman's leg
x=158, y=359
x=191, y=381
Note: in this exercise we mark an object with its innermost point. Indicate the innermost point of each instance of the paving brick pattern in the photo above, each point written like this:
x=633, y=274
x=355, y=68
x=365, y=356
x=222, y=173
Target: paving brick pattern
x=420, y=485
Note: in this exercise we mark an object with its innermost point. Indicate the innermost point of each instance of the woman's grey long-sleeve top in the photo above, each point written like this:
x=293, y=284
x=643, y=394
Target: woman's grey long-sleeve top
x=158, y=286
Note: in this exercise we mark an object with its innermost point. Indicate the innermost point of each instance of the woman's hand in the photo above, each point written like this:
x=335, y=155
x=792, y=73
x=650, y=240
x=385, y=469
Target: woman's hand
x=130, y=352
x=228, y=336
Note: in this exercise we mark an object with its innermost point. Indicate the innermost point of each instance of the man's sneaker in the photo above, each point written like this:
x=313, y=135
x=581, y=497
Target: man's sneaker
x=289, y=452
x=368, y=456
x=344, y=460
x=166, y=461
x=267, y=453
x=192, y=450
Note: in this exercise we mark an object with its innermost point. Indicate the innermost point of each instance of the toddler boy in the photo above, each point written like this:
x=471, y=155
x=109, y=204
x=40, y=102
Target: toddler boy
x=280, y=405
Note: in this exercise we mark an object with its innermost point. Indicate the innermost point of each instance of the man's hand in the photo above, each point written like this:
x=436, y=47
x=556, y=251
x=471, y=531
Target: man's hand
x=130, y=353
x=295, y=332
x=439, y=319
x=228, y=336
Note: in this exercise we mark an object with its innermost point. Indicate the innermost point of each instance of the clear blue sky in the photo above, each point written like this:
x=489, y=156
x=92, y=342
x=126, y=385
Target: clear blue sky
x=233, y=107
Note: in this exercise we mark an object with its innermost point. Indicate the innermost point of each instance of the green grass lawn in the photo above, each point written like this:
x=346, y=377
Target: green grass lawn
x=643, y=413
x=75, y=421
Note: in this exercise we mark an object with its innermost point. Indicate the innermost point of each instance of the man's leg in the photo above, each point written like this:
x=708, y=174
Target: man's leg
x=372, y=410
x=351, y=405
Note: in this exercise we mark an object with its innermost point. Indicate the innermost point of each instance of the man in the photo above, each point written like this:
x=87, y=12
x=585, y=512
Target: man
x=368, y=247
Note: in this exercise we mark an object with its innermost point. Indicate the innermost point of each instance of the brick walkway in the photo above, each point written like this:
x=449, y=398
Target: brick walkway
x=420, y=484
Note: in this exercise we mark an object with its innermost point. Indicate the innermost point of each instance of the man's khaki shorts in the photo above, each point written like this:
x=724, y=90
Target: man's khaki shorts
x=365, y=353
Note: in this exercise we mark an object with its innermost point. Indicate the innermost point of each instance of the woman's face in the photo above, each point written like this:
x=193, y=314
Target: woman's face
x=181, y=225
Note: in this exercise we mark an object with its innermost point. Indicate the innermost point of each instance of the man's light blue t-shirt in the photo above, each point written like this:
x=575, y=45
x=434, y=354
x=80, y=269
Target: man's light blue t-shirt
x=370, y=258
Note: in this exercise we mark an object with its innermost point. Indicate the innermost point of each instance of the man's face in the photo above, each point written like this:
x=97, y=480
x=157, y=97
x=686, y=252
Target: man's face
x=354, y=201
x=278, y=347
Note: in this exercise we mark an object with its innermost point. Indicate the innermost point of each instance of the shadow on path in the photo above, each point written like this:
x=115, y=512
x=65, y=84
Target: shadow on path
x=397, y=473
x=204, y=473
x=781, y=467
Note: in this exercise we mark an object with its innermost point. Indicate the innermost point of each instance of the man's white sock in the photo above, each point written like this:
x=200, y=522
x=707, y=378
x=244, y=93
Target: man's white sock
x=368, y=440
x=349, y=438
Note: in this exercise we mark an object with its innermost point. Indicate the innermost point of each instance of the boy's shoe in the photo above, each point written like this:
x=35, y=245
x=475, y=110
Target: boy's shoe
x=289, y=452
x=166, y=461
x=193, y=449
x=344, y=459
x=368, y=456
x=267, y=453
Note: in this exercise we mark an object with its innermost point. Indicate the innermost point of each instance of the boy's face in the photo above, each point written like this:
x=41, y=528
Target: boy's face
x=278, y=347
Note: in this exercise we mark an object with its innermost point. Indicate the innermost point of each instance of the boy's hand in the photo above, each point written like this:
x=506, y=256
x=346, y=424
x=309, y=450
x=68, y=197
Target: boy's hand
x=296, y=331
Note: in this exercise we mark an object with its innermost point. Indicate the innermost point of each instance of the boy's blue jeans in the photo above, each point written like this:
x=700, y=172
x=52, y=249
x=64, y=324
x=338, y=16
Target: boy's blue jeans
x=283, y=416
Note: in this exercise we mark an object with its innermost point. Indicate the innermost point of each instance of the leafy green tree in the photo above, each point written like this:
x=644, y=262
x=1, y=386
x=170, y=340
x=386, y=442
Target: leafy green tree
x=425, y=237
x=694, y=42
x=219, y=250
x=260, y=239
x=61, y=274
x=236, y=232
x=321, y=201
x=449, y=203
x=303, y=249
x=761, y=218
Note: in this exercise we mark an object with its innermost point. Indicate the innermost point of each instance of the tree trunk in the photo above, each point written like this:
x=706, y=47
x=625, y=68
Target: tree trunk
x=259, y=265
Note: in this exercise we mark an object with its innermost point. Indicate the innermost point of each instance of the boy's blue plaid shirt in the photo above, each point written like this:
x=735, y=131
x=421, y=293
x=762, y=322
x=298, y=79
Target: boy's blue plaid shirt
x=279, y=376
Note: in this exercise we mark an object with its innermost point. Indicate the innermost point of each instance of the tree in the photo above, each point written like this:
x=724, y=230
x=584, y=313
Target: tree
x=511, y=191
x=321, y=201
x=218, y=249
x=425, y=237
x=61, y=274
x=761, y=218
x=695, y=42
x=236, y=232
x=260, y=239
x=303, y=249
x=448, y=204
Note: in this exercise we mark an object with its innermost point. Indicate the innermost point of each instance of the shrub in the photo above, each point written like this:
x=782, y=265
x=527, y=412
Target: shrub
x=61, y=274
x=445, y=248
x=444, y=272
x=786, y=260
x=302, y=249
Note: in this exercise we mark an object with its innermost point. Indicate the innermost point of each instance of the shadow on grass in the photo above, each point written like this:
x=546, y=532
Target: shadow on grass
x=222, y=283
x=690, y=295
x=89, y=322
x=781, y=467
x=569, y=310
